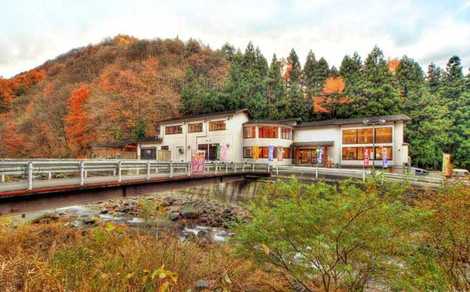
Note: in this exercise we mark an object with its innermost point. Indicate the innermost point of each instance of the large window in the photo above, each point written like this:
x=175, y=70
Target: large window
x=350, y=153
x=383, y=135
x=286, y=133
x=216, y=125
x=357, y=153
x=364, y=136
x=388, y=150
x=247, y=152
x=211, y=151
x=267, y=132
x=249, y=132
x=350, y=136
x=286, y=153
x=195, y=128
x=171, y=130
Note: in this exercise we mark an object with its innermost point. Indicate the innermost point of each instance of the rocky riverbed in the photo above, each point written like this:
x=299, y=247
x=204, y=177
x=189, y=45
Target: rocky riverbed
x=188, y=215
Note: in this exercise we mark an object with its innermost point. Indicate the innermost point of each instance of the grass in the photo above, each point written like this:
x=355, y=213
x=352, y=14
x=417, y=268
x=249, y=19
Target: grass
x=56, y=257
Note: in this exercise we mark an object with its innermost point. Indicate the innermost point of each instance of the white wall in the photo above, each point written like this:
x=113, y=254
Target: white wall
x=329, y=133
x=231, y=136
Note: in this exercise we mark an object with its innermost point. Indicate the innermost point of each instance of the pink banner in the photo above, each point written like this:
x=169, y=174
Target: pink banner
x=197, y=162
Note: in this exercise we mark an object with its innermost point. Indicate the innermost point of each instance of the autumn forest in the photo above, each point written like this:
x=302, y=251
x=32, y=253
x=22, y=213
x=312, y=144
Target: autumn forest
x=116, y=91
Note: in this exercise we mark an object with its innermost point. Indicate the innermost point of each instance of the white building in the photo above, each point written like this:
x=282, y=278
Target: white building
x=331, y=143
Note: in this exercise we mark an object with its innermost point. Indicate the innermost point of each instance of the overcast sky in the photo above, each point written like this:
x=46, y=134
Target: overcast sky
x=31, y=32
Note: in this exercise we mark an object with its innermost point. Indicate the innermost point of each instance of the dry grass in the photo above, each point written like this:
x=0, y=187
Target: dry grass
x=54, y=257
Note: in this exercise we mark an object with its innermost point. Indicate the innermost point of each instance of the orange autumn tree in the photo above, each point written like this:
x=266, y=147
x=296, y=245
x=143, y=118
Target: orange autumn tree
x=12, y=140
x=393, y=65
x=78, y=128
x=331, y=96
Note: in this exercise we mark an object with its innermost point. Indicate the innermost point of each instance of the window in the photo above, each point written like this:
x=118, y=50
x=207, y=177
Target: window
x=350, y=136
x=217, y=126
x=361, y=151
x=263, y=152
x=383, y=135
x=249, y=132
x=247, y=152
x=195, y=128
x=349, y=153
x=211, y=151
x=165, y=148
x=286, y=154
x=388, y=151
x=364, y=136
x=171, y=130
x=267, y=132
x=286, y=133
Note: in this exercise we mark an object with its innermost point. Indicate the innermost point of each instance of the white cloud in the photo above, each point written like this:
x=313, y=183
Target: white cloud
x=426, y=31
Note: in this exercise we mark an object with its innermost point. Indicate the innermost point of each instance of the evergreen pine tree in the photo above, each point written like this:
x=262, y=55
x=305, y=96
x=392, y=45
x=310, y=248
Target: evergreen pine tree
x=434, y=78
x=409, y=75
x=276, y=94
x=375, y=94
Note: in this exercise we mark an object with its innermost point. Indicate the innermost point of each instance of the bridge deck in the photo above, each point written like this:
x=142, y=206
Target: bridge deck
x=24, y=178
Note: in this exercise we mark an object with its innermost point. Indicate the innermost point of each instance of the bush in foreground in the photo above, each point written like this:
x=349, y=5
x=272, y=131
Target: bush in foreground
x=352, y=236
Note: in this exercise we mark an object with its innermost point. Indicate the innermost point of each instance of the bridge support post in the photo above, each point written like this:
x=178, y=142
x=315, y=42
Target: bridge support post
x=189, y=168
x=30, y=175
x=243, y=167
x=119, y=171
x=2, y=178
x=148, y=170
x=82, y=173
x=216, y=168
x=49, y=175
x=316, y=173
x=253, y=167
x=171, y=169
x=363, y=175
x=277, y=170
x=226, y=167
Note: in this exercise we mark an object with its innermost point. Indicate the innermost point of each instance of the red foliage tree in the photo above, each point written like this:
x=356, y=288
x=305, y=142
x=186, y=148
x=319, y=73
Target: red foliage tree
x=78, y=128
x=12, y=141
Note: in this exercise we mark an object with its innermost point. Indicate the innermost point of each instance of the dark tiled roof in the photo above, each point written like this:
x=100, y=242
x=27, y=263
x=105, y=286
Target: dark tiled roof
x=391, y=118
x=124, y=143
x=287, y=122
x=202, y=116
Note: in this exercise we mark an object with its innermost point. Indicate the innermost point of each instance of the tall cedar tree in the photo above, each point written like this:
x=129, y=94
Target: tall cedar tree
x=376, y=94
x=299, y=106
x=276, y=92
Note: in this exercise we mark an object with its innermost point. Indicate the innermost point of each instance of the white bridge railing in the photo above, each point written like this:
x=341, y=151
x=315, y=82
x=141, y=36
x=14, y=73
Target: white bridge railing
x=33, y=174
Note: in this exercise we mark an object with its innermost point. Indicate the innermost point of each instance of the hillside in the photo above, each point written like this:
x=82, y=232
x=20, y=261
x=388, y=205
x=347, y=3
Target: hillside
x=117, y=89
x=107, y=92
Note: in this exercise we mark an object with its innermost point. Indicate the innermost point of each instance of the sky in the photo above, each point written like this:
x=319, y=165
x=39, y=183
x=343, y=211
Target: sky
x=34, y=31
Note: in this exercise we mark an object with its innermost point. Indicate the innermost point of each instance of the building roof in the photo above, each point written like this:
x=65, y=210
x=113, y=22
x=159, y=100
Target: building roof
x=125, y=143
x=202, y=116
x=287, y=122
x=339, y=122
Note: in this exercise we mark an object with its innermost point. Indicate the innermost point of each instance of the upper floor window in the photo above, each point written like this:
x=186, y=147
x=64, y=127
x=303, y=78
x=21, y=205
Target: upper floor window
x=350, y=136
x=267, y=132
x=170, y=130
x=217, y=126
x=286, y=133
x=195, y=128
x=364, y=136
x=249, y=132
x=383, y=135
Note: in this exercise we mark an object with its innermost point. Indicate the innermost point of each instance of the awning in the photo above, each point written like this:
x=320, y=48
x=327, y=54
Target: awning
x=314, y=143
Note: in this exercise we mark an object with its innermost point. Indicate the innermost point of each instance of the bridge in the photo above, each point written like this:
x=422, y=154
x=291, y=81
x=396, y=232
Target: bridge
x=33, y=177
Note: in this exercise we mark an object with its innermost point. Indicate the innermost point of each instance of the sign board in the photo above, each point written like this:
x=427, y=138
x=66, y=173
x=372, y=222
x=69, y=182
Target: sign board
x=446, y=164
x=270, y=152
x=197, y=162
x=384, y=157
x=320, y=156
x=366, y=157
